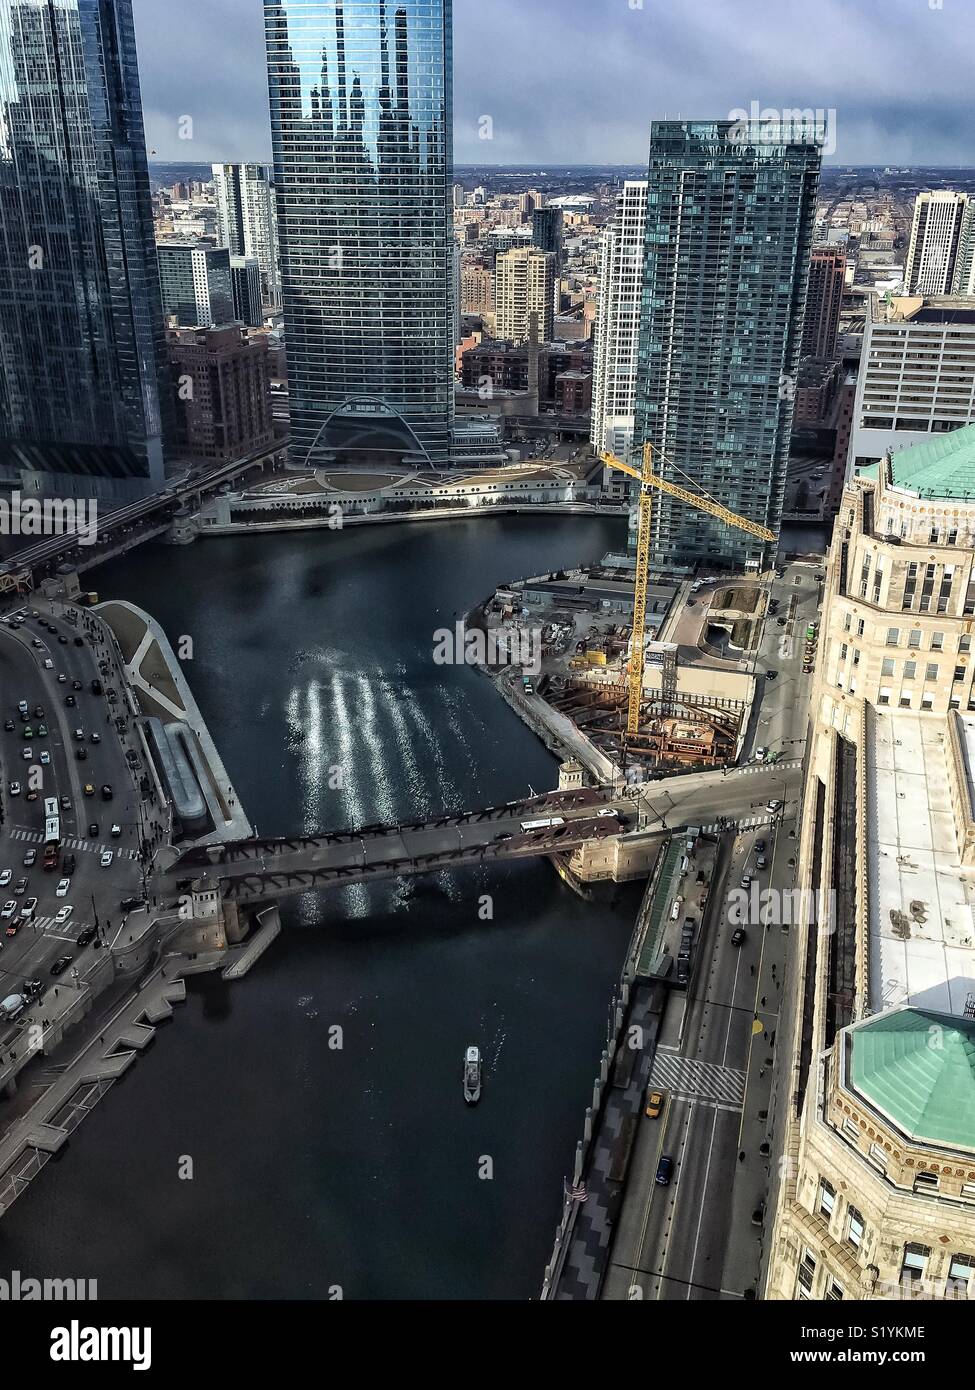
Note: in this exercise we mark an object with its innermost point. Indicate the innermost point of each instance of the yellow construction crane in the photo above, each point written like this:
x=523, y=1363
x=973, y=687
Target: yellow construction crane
x=650, y=480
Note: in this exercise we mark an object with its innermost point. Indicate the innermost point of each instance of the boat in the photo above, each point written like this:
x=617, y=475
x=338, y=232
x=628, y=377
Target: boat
x=472, y=1075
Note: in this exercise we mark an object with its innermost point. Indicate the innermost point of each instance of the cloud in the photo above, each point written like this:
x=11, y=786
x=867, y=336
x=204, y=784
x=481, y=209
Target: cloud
x=578, y=81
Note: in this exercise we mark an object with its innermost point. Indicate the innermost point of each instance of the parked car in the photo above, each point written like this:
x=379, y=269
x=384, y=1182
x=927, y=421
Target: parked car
x=655, y=1100
x=737, y=936
x=664, y=1170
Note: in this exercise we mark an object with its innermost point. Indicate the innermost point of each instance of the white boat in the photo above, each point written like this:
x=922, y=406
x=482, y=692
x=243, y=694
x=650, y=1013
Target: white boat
x=472, y=1075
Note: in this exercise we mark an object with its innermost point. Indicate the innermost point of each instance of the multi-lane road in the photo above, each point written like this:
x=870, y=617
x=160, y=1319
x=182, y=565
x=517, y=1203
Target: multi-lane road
x=700, y=1235
x=46, y=672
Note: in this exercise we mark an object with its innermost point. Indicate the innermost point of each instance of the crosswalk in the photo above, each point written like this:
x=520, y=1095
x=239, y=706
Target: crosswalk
x=700, y=1083
x=64, y=931
x=36, y=837
x=743, y=823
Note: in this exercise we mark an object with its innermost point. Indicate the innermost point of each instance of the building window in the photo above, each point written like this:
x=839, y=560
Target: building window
x=915, y=1261
x=910, y=670
x=847, y=622
x=925, y=1182
x=850, y=1129
x=893, y=636
x=931, y=671
x=965, y=642
x=914, y=638
x=843, y=650
x=807, y=1272
x=959, y=673
x=834, y=1293
x=827, y=1198
x=937, y=641
x=859, y=627
x=854, y=1233
x=878, y=1156
x=960, y=1272
x=887, y=667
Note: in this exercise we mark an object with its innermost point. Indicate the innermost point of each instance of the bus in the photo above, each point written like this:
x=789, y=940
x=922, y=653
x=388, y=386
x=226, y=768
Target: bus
x=51, y=809
x=548, y=824
x=52, y=827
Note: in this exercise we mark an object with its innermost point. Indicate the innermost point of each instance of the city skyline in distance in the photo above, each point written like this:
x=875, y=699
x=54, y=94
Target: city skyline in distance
x=700, y=63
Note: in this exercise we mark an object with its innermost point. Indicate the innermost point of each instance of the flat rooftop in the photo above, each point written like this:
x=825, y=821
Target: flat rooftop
x=922, y=902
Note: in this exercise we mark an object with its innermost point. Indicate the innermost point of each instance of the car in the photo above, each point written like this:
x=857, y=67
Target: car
x=129, y=904
x=62, y=639
x=45, y=757
x=86, y=936
x=63, y=914
x=131, y=757
x=15, y=789
x=48, y=664
x=27, y=754
x=30, y=859
x=38, y=711
x=62, y=679
x=10, y=726
x=81, y=754
x=36, y=642
x=737, y=936
x=807, y=670
x=116, y=831
x=92, y=829
x=76, y=685
x=107, y=792
x=761, y=862
x=760, y=753
x=106, y=858
x=655, y=1100
x=8, y=909
x=664, y=1170
x=32, y=988
x=42, y=731
x=89, y=790
x=27, y=731
x=771, y=675
x=79, y=735
x=5, y=877
x=79, y=641
x=96, y=687
x=773, y=806
x=15, y=927
x=70, y=701
x=60, y=965
x=65, y=803
x=20, y=887
x=94, y=738
x=28, y=909
x=32, y=794
x=781, y=622
x=746, y=880
x=63, y=888
x=68, y=864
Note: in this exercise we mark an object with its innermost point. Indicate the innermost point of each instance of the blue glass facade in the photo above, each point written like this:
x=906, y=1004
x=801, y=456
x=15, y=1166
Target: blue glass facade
x=81, y=336
x=730, y=217
x=360, y=95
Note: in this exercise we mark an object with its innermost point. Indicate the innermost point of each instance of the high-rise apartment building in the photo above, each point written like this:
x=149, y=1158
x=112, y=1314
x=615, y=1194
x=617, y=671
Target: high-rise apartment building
x=618, y=323
x=196, y=284
x=245, y=284
x=83, y=393
x=247, y=221
x=917, y=374
x=827, y=277
x=226, y=413
x=936, y=234
x=522, y=287
x=476, y=290
x=547, y=232
x=361, y=110
x=730, y=212
x=874, y=1174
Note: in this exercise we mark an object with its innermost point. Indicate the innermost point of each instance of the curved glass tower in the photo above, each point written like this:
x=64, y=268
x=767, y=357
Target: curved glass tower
x=360, y=96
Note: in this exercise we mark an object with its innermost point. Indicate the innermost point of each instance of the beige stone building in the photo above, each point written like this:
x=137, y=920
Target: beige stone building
x=874, y=1105
x=522, y=287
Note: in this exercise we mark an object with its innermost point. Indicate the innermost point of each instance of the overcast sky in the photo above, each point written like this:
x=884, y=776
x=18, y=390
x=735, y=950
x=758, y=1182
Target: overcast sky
x=578, y=81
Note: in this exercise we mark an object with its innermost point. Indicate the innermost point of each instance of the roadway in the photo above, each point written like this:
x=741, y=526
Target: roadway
x=85, y=820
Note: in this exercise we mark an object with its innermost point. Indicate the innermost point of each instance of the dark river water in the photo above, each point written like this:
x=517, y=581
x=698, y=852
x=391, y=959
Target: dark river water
x=360, y=1167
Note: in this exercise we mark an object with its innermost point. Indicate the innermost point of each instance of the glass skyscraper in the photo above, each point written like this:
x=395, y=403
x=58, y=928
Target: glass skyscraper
x=361, y=109
x=729, y=228
x=81, y=337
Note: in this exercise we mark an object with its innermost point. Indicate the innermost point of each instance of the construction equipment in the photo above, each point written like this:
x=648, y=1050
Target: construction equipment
x=648, y=481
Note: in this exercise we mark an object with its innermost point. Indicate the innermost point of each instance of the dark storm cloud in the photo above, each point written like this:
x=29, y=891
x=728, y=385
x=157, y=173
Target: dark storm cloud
x=576, y=81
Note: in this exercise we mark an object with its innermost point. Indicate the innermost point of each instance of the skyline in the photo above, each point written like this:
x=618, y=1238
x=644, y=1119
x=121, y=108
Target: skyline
x=701, y=63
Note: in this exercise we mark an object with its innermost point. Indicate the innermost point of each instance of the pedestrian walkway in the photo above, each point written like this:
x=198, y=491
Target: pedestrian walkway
x=36, y=837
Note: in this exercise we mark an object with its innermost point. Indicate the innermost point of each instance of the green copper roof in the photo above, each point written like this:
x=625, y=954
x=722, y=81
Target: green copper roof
x=944, y=467
x=918, y=1068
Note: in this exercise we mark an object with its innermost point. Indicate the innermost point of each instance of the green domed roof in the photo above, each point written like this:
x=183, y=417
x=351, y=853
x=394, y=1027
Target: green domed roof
x=943, y=467
x=918, y=1068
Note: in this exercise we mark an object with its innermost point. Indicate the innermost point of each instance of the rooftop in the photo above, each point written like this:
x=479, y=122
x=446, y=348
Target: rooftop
x=943, y=467
x=917, y=1067
x=921, y=901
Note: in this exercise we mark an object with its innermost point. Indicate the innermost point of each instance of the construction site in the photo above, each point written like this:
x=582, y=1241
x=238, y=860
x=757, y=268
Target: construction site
x=654, y=671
